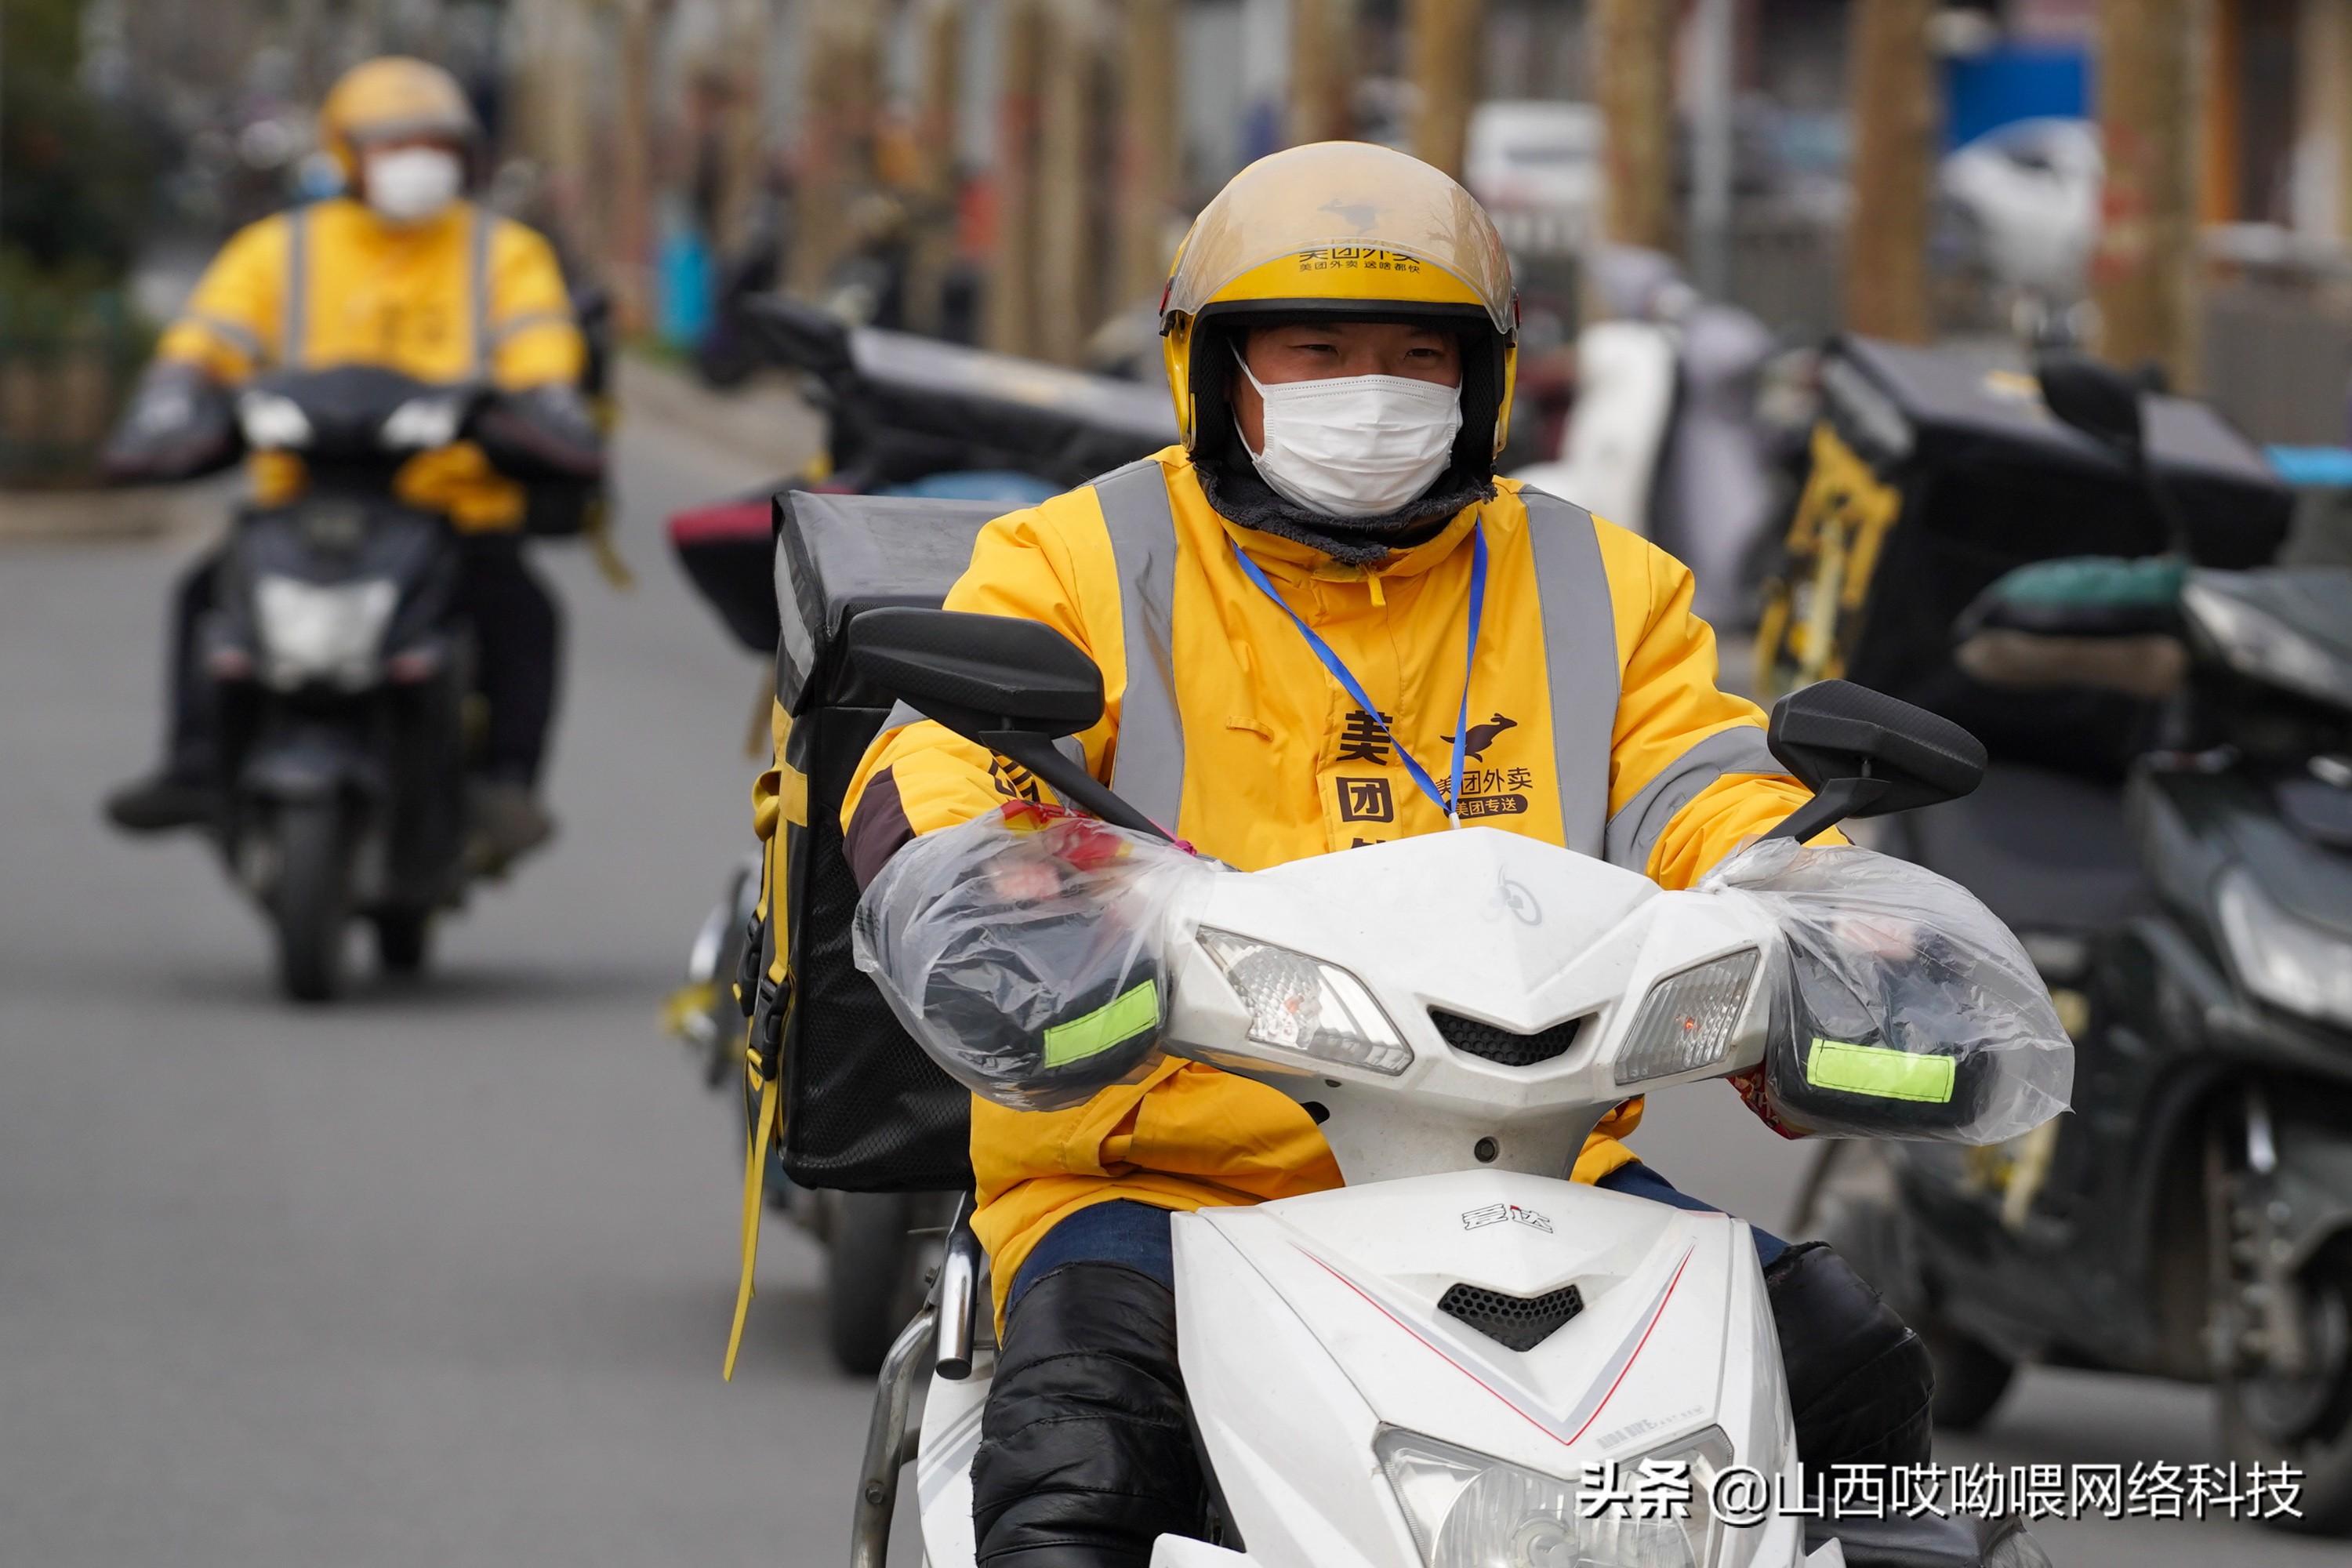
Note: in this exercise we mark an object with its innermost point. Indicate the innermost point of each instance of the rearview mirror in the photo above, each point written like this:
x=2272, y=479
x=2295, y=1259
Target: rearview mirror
x=994, y=672
x=1864, y=754
x=1012, y=685
x=2094, y=398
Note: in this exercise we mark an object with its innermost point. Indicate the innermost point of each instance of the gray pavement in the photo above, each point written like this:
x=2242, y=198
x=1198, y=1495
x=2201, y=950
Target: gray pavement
x=441, y=1275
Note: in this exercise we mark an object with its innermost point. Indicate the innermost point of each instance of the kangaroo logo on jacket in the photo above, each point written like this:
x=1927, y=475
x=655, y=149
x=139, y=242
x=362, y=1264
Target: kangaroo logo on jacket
x=1481, y=736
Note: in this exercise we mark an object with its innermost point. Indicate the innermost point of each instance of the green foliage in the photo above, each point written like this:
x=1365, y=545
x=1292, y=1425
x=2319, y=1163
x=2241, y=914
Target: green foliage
x=75, y=178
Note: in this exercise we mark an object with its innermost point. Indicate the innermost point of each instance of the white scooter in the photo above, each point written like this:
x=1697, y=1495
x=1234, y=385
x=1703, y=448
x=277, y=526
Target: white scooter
x=1418, y=1369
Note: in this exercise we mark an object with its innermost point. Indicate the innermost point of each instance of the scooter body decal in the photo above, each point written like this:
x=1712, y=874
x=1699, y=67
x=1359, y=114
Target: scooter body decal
x=1497, y=1378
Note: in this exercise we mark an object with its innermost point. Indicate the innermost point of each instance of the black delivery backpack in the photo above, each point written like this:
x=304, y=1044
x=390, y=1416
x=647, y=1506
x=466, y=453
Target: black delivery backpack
x=864, y=1108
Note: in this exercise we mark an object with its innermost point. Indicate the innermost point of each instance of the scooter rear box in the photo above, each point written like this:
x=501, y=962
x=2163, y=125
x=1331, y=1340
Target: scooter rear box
x=1931, y=473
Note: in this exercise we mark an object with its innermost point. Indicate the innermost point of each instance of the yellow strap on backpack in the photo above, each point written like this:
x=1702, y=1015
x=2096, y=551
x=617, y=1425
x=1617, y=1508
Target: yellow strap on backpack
x=755, y=1167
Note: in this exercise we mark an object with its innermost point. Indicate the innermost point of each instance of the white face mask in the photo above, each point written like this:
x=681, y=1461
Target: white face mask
x=1355, y=445
x=409, y=184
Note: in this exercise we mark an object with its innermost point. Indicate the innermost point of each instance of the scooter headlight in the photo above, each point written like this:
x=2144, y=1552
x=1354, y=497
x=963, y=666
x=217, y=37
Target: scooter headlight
x=2287, y=961
x=1470, y=1510
x=1687, y=1020
x=311, y=631
x=272, y=422
x=1305, y=1005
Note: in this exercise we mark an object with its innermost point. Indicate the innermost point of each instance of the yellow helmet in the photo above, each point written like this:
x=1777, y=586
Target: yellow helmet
x=1342, y=228
x=392, y=96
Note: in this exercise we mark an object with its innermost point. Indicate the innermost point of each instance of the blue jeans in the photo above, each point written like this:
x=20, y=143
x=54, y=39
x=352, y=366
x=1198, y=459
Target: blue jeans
x=1138, y=1235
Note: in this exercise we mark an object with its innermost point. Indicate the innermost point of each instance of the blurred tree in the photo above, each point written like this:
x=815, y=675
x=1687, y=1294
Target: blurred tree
x=1448, y=40
x=1012, y=316
x=1891, y=85
x=1150, y=147
x=1322, y=71
x=2144, y=274
x=75, y=174
x=1633, y=73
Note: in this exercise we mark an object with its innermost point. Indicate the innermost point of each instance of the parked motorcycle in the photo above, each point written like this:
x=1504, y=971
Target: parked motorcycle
x=339, y=661
x=1678, y=416
x=1416, y=1368
x=2194, y=1220
x=906, y=415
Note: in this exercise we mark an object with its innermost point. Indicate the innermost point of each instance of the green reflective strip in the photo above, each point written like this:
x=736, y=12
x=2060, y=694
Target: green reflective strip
x=1104, y=1027
x=1876, y=1070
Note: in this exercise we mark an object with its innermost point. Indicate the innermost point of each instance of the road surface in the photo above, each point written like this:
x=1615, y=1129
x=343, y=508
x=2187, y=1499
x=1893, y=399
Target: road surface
x=441, y=1275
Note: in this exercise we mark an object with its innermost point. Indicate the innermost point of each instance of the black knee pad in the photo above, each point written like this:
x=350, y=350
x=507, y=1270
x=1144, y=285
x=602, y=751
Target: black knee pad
x=1860, y=1381
x=1086, y=1454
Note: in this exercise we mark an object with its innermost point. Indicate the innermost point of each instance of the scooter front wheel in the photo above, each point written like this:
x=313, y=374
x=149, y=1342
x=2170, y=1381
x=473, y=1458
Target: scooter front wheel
x=874, y=1277
x=310, y=901
x=403, y=940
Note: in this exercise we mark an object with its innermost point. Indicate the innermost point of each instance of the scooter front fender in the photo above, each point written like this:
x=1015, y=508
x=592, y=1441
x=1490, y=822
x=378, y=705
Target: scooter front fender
x=309, y=768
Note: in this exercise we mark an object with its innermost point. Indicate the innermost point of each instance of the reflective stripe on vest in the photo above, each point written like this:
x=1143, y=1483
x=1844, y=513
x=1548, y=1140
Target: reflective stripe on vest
x=1579, y=651
x=1580, y=673
x=1148, y=765
x=298, y=287
x=1633, y=830
x=478, y=285
x=296, y=326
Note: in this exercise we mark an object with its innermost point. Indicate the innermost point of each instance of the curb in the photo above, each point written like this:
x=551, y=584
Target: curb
x=117, y=515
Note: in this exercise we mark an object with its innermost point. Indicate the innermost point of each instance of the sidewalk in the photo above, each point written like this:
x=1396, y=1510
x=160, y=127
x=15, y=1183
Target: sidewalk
x=765, y=424
x=127, y=516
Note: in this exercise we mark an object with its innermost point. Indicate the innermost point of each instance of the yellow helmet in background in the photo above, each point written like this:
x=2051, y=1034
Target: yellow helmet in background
x=391, y=97
x=1347, y=229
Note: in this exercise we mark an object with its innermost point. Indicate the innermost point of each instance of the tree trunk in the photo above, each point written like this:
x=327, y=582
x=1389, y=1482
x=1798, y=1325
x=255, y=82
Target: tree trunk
x=1633, y=68
x=1068, y=276
x=1322, y=71
x=2144, y=274
x=1150, y=148
x=1448, y=46
x=1892, y=89
x=1013, y=277
x=743, y=137
x=631, y=245
x=936, y=221
x=844, y=53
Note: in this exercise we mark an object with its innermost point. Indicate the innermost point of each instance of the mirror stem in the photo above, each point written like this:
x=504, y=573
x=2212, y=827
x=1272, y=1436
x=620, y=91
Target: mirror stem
x=1070, y=780
x=2168, y=507
x=1832, y=803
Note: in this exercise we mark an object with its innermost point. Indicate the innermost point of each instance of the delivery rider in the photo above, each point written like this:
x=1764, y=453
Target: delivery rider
x=407, y=274
x=1284, y=608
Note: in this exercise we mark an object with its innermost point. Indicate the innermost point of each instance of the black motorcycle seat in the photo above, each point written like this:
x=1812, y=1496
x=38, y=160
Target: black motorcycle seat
x=2044, y=850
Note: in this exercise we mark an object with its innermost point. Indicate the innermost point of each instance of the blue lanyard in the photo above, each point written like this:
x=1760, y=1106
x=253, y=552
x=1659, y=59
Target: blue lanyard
x=1451, y=803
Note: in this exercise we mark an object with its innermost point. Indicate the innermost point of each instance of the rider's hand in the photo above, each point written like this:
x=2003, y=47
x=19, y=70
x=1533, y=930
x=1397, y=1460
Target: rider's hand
x=1887, y=938
x=1025, y=881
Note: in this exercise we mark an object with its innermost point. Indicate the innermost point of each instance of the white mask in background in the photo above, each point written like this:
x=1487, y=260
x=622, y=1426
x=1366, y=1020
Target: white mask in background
x=409, y=184
x=1355, y=445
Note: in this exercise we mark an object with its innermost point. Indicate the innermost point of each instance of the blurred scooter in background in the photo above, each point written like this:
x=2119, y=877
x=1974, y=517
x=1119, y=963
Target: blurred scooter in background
x=2193, y=1218
x=1666, y=435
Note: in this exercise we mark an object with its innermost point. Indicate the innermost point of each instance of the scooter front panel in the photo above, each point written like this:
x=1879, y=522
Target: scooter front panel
x=1670, y=1333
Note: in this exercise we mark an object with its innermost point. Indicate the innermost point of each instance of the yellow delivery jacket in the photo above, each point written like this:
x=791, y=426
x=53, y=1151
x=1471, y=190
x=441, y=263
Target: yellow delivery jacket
x=464, y=295
x=1595, y=723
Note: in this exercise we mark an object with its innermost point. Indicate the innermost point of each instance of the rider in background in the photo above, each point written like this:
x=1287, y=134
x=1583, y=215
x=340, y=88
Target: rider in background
x=407, y=274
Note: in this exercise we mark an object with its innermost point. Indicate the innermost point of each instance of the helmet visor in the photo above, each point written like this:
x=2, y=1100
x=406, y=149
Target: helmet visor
x=1335, y=209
